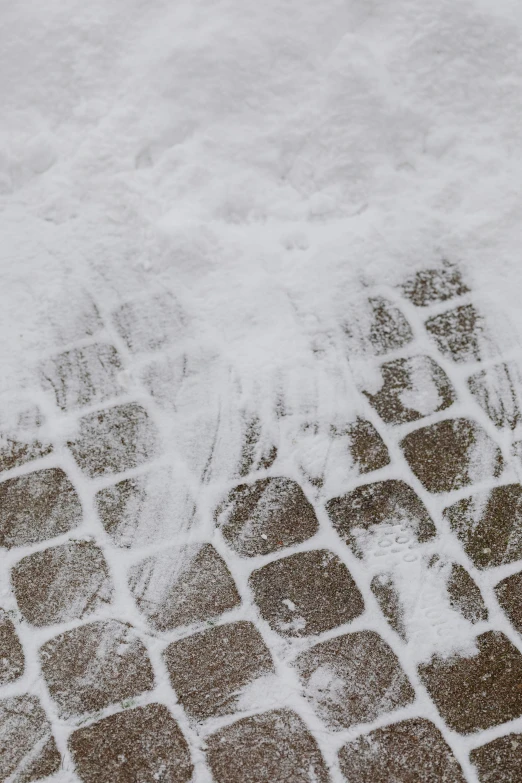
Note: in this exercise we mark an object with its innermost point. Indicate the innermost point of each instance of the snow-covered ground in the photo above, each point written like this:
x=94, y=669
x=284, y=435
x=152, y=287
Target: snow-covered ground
x=246, y=175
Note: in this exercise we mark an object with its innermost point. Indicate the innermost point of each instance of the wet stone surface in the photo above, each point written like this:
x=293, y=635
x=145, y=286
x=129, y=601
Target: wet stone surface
x=114, y=440
x=430, y=286
x=353, y=679
x=146, y=509
x=489, y=525
x=274, y=746
x=138, y=745
x=411, y=388
x=27, y=748
x=413, y=751
x=266, y=516
x=495, y=390
x=478, y=692
x=367, y=448
x=389, y=328
x=149, y=324
x=183, y=586
x=36, y=507
x=209, y=670
x=499, y=761
x=12, y=659
x=382, y=502
x=62, y=583
x=459, y=333
x=306, y=593
x=95, y=665
x=452, y=454
x=83, y=376
x=509, y=596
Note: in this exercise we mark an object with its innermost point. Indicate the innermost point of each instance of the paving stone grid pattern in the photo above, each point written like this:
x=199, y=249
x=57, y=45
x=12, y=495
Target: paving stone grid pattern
x=234, y=641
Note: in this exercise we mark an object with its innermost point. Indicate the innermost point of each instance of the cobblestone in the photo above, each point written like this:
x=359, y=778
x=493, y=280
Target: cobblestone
x=146, y=509
x=28, y=751
x=142, y=744
x=499, y=761
x=411, y=388
x=509, y=592
x=495, y=390
x=430, y=286
x=114, y=440
x=382, y=502
x=36, y=507
x=266, y=516
x=353, y=679
x=477, y=692
x=95, y=665
x=209, y=670
x=452, y=454
x=12, y=661
x=62, y=583
x=413, y=750
x=83, y=376
x=306, y=593
x=273, y=746
x=489, y=525
x=459, y=333
x=183, y=586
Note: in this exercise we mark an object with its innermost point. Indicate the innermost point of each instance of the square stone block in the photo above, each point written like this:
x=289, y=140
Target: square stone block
x=306, y=593
x=353, y=679
x=209, y=670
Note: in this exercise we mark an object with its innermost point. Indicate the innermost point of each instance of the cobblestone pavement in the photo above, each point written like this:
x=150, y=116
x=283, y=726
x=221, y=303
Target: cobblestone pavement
x=226, y=618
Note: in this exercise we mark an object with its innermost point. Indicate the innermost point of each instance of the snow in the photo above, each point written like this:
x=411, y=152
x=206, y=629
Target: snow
x=263, y=165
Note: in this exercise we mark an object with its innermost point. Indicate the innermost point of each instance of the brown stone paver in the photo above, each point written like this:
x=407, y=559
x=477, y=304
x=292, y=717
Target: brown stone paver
x=149, y=324
x=14, y=453
x=412, y=751
x=139, y=745
x=38, y=506
x=182, y=586
x=353, y=679
x=114, y=440
x=266, y=516
x=411, y=388
x=509, y=596
x=28, y=751
x=367, y=448
x=83, y=376
x=146, y=509
x=274, y=746
x=306, y=593
x=465, y=595
x=499, y=761
x=496, y=391
x=458, y=333
x=387, y=595
x=209, y=670
x=430, y=286
x=382, y=502
x=61, y=583
x=478, y=692
x=12, y=660
x=389, y=329
x=451, y=454
x=95, y=665
x=489, y=525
